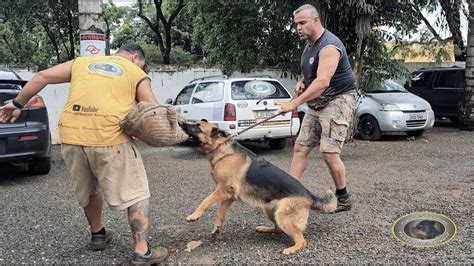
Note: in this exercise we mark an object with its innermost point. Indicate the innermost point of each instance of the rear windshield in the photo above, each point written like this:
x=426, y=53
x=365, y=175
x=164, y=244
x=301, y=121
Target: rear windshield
x=8, y=75
x=258, y=89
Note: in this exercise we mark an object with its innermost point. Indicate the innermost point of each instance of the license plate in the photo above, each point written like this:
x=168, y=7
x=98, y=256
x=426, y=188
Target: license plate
x=263, y=115
x=246, y=123
x=417, y=116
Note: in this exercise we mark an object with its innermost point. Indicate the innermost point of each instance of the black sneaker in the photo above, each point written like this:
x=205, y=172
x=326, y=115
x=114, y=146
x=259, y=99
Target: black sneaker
x=157, y=255
x=99, y=242
x=343, y=203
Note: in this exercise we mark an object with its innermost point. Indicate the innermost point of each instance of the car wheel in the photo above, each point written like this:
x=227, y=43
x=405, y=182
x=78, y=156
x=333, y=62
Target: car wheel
x=416, y=133
x=277, y=144
x=40, y=166
x=369, y=128
x=454, y=120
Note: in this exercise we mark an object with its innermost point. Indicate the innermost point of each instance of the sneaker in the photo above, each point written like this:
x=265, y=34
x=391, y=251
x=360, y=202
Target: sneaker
x=99, y=242
x=343, y=203
x=157, y=255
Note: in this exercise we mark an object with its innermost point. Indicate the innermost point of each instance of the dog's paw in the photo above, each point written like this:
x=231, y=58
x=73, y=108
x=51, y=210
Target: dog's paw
x=192, y=218
x=267, y=229
x=289, y=251
x=216, y=231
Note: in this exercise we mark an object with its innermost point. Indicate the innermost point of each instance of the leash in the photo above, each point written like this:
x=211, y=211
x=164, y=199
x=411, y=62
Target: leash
x=264, y=120
x=256, y=124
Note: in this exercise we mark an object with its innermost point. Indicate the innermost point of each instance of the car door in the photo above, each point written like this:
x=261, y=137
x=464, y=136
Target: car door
x=447, y=91
x=183, y=99
x=207, y=102
x=421, y=85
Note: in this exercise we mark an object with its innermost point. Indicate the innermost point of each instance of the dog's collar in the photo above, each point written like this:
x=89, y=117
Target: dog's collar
x=217, y=147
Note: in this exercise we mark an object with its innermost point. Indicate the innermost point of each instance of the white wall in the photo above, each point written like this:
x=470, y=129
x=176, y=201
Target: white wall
x=166, y=84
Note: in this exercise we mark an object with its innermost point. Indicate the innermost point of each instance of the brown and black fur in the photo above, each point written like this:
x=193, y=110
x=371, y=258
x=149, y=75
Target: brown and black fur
x=241, y=175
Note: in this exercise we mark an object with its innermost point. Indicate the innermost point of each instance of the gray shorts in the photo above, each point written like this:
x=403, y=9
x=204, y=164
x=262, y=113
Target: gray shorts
x=328, y=127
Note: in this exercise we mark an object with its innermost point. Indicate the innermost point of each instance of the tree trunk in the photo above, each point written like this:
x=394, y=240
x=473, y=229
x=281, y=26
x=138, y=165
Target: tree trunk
x=165, y=48
x=72, y=53
x=467, y=105
x=92, y=28
x=452, y=11
x=107, y=37
x=166, y=54
x=52, y=39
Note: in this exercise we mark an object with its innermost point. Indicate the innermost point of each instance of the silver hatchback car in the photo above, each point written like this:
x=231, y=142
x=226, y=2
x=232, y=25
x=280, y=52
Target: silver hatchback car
x=389, y=108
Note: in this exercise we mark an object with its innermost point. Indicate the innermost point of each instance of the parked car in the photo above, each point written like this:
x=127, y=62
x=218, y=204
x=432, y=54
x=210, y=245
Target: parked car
x=27, y=141
x=389, y=107
x=237, y=103
x=442, y=87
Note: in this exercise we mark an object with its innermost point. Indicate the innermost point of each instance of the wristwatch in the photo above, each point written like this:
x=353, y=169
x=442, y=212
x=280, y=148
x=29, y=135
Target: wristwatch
x=17, y=104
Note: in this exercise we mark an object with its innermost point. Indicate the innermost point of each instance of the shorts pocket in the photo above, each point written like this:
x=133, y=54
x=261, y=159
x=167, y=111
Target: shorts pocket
x=338, y=129
x=132, y=152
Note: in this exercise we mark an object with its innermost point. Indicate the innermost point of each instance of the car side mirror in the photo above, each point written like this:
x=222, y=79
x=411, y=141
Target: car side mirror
x=169, y=101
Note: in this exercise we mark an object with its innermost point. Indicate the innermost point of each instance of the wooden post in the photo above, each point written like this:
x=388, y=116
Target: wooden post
x=92, y=28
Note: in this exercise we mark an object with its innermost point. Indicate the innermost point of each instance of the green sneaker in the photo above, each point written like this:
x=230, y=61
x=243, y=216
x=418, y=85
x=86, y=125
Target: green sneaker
x=157, y=255
x=99, y=242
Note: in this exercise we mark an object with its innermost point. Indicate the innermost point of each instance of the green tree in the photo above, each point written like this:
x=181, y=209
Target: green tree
x=32, y=31
x=160, y=25
x=232, y=41
x=449, y=14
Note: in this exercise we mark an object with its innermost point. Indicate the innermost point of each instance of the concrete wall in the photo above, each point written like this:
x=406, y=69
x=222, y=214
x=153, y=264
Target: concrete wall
x=166, y=84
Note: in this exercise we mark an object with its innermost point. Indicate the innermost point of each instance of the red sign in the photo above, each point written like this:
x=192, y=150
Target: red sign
x=92, y=49
x=92, y=36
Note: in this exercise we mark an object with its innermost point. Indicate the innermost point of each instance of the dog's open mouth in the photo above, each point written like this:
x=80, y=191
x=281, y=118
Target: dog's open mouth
x=192, y=131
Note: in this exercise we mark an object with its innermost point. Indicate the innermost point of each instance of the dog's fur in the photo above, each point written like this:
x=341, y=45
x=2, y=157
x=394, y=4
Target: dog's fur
x=240, y=175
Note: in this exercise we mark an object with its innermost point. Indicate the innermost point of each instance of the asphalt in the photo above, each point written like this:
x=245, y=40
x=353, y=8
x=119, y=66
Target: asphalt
x=42, y=223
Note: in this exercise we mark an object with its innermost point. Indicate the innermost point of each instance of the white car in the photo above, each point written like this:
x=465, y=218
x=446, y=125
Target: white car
x=391, y=108
x=237, y=103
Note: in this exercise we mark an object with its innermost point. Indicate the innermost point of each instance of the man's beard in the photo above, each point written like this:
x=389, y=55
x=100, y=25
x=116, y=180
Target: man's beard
x=304, y=37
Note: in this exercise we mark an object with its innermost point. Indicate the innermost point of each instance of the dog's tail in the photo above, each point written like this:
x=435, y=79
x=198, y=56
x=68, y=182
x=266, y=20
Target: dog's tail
x=327, y=204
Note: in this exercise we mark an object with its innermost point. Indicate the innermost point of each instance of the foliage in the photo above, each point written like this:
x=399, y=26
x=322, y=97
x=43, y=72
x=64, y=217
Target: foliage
x=232, y=41
x=160, y=22
x=36, y=33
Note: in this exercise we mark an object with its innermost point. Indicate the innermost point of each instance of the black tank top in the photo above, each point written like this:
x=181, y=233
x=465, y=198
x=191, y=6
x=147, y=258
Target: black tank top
x=343, y=79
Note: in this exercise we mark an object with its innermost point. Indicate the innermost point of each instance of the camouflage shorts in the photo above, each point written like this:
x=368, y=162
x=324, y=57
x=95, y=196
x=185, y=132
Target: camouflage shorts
x=328, y=127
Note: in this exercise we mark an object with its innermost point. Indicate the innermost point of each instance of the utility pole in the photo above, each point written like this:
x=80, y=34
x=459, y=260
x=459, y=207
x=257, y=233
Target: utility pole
x=91, y=27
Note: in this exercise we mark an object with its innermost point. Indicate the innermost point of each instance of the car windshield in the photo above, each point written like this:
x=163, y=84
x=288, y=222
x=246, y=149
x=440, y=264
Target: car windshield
x=8, y=75
x=258, y=90
x=387, y=86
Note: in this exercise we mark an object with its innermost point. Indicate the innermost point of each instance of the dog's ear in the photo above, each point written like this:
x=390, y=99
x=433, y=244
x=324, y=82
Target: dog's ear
x=203, y=120
x=216, y=132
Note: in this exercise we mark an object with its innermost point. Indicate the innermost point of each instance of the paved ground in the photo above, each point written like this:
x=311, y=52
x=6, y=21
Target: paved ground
x=41, y=222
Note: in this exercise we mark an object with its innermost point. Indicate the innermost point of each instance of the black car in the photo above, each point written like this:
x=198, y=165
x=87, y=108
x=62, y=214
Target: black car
x=27, y=141
x=442, y=87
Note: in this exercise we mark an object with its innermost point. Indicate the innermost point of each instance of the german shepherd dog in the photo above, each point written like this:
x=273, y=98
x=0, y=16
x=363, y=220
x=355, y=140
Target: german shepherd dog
x=240, y=175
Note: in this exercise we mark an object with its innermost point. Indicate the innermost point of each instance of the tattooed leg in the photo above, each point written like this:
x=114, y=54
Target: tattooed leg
x=139, y=221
